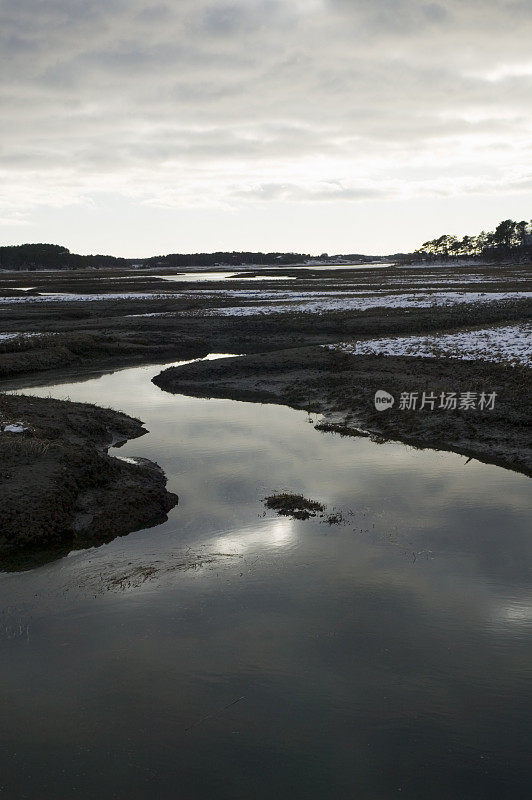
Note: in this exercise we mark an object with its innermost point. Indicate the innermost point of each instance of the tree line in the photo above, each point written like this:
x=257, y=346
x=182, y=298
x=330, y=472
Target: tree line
x=53, y=256
x=233, y=259
x=509, y=239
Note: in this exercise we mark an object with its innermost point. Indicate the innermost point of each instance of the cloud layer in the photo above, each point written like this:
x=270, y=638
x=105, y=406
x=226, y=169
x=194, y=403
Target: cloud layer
x=225, y=104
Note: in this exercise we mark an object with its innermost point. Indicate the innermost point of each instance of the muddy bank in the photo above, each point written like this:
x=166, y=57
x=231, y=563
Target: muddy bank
x=105, y=340
x=343, y=387
x=94, y=350
x=59, y=488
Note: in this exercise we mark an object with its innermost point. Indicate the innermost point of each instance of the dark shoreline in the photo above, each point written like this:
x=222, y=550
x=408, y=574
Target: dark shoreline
x=59, y=488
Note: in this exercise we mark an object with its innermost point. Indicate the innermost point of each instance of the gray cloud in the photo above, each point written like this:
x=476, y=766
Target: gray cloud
x=329, y=192
x=262, y=98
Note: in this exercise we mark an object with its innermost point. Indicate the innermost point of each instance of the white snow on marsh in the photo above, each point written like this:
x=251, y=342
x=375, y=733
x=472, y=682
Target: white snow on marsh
x=79, y=298
x=6, y=337
x=427, y=280
x=16, y=427
x=509, y=344
x=336, y=303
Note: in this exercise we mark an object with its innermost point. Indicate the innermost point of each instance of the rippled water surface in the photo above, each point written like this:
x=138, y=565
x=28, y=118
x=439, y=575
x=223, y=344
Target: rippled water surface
x=230, y=653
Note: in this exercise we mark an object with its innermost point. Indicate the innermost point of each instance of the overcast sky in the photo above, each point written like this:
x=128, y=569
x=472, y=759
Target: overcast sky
x=136, y=127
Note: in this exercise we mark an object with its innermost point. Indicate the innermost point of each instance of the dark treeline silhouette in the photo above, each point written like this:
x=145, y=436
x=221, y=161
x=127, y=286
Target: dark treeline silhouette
x=509, y=240
x=53, y=256
x=234, y=259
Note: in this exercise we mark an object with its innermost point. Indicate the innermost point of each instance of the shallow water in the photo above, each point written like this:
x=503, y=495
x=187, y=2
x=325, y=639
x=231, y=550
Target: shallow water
x=204, y=275
x=195, y=277
x=230, y=653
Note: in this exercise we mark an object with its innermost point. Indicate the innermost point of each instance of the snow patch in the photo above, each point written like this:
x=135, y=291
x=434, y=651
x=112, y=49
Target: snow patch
x=6, y=337
x=16, y=427
x=336, y=303
x=510, y=344
x=61, y=297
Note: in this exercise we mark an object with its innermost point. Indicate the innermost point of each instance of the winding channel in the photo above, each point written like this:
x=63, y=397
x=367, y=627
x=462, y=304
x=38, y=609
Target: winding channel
x=234, y=654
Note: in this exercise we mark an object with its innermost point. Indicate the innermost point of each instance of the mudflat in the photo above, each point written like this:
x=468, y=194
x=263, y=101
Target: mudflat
x=107, y=319
x=59, y=488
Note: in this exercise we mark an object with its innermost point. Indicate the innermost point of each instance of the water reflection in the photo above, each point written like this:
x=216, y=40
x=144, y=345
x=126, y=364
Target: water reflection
x=270, y=534
x=194, y=277
x=232, y=654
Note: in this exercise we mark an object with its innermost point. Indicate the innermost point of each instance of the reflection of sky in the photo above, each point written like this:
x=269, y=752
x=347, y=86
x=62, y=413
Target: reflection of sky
x=192, y=277
x=381, y=641
x=271, y=533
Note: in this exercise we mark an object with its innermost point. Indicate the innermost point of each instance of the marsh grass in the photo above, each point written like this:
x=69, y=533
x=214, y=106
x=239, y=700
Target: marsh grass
x=15, y=444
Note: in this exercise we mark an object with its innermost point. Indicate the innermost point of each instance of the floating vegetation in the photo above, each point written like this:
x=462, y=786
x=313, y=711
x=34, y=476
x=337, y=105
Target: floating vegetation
x=294, y=505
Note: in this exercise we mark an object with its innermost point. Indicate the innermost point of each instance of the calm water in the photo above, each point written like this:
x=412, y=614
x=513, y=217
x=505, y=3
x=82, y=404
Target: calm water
x=231, y=654
x=194, y=277
x=188, y=277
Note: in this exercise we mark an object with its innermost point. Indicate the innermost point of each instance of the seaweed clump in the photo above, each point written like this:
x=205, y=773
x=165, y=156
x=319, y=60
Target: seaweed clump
x=294, y=505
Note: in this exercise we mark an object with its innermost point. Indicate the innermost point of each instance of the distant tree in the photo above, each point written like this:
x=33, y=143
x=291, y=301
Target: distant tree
x=509, y=237
x=505, y=234
x=481, y=242
x=521, y=231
